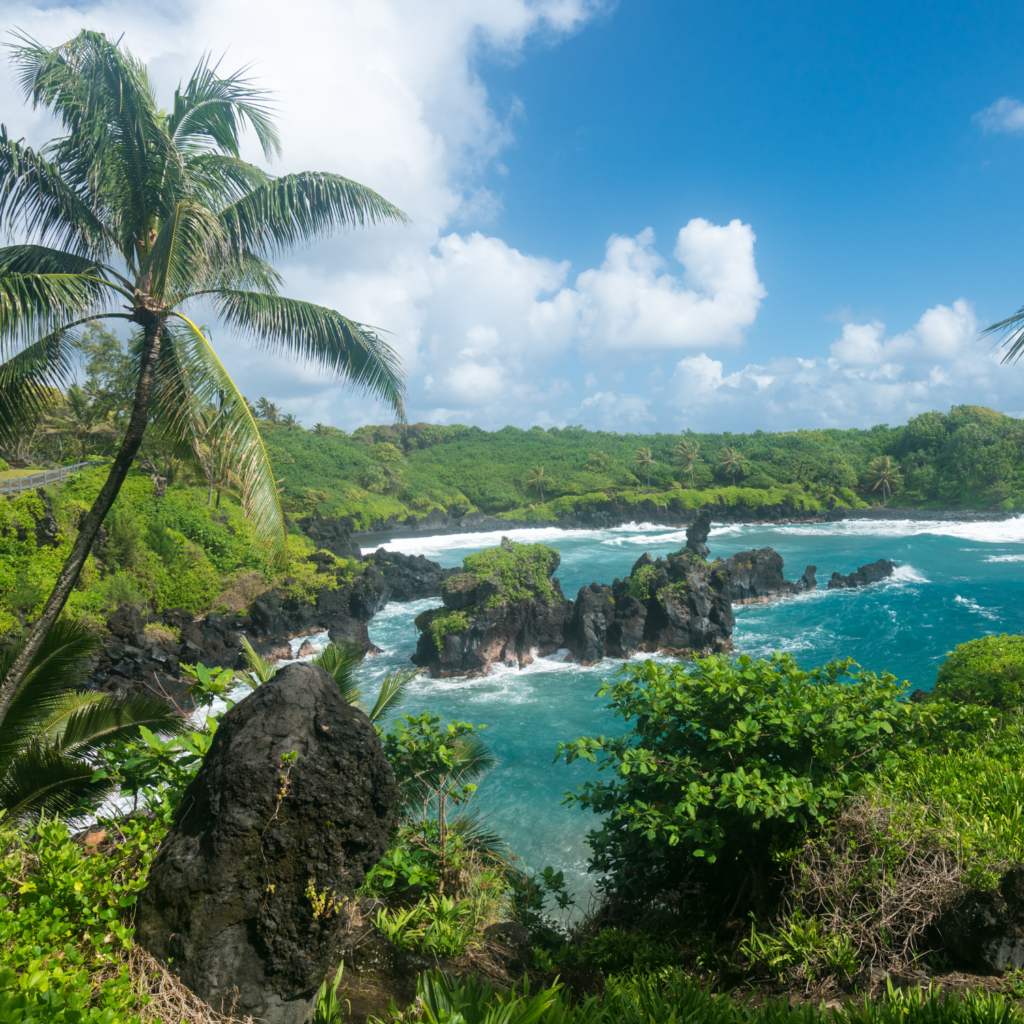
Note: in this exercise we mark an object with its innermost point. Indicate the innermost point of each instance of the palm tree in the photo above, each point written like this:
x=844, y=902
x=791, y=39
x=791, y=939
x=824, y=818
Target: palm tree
x=688, y=454
x=81, y=420
x=644, y=460
x=52, y=732
x=289, y=422
x=320, y=430
x=537, y=480
x=268, y=411
x=731, y=461
x=155, y=209
x=886, y=473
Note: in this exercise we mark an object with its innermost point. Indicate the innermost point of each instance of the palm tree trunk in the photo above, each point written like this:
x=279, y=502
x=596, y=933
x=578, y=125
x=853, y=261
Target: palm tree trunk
x=90, y=528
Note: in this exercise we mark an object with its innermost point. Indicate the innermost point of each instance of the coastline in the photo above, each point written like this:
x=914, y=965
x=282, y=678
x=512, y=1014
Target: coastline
x=370, y=540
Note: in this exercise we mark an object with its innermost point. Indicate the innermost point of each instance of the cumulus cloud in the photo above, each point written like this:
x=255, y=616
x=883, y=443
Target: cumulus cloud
x=1005, y=115
x=870, y=378
x=632, y=303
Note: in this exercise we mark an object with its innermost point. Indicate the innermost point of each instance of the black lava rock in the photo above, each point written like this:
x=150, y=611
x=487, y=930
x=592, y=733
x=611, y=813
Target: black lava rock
x=291, y=806
x=865, y=575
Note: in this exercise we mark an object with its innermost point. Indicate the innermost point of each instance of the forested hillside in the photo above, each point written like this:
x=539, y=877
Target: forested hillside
x=971, y=457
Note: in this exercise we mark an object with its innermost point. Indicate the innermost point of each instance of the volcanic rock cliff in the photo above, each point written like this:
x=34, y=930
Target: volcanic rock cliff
x=504, y=607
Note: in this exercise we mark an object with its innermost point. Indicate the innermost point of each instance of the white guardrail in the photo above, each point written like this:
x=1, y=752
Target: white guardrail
x=51, y=476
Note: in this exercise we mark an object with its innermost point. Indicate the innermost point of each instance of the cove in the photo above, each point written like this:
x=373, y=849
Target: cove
x=956, y=581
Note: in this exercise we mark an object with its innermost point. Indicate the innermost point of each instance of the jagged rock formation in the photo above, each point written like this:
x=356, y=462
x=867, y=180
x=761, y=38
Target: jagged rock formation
x=686, y=602
x=138, y=658
x=291, y=805
x=410, y=577
x=756, y=576
x=504, y=607
x=866, y=574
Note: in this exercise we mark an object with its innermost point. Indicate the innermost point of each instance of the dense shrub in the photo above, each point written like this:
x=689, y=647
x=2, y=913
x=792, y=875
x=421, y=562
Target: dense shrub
x=64, y=925
x=989, y=671
x=729, y=763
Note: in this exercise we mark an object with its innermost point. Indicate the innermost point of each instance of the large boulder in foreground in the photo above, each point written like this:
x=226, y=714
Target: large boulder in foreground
x=291, y=806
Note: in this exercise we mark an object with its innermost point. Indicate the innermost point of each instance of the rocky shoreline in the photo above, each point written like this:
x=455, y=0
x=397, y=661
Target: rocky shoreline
x=679, y=605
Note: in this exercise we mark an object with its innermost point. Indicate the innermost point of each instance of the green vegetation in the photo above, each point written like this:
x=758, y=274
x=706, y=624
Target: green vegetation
x=968, y=458
x=729, y=763
x=523, y=570
x=672, y=996
x=169, y=551
x=164, y=194
x=989, y=670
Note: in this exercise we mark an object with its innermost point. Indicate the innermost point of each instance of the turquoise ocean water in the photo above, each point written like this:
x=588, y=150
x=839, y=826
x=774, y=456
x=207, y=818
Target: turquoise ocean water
x=956, y=581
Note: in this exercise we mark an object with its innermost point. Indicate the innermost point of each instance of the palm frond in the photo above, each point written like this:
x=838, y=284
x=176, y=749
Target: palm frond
x=115, y=145
x=34, y=304
x=214, y=110
x=29, y=382
x=99, y=723
x=1013, y=329
x=59, y=664
x=193, y=379
x=477, y=836
x=319, y=335
x=35, y=198
x=471, y=758
x=261, y=669
x=298, y=208
x=43, y=778
x=188, y=249
x=341, y=661
x=392, y=692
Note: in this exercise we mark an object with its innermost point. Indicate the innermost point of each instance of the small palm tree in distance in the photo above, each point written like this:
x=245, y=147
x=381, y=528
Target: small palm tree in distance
x=537, y=479
x=731, y=461
x=688, y=454
x=886, y=473
x=644, y=460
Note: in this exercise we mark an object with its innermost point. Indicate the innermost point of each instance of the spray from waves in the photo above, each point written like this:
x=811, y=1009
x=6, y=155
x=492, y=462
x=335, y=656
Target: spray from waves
x=972, y=606
x=904, y=574
x=1005, y=558
x=1008, y=531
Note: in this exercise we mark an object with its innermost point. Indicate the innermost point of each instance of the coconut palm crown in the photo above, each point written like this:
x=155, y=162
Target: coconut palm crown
x=142, y=214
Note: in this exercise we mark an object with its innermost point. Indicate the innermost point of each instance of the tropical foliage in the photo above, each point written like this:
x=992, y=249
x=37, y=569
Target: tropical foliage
x=53, y=732
x=155, y=206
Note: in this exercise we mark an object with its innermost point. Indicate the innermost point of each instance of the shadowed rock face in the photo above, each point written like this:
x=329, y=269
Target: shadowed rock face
x=295, y=793
x=873, y=572
x=757, y=576
x=410, y=577
x=985, y=933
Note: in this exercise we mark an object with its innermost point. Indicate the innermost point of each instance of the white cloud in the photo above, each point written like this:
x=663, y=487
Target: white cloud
x=870, y=378
x=631, y=303
x=1005, y=115
x=941, y=333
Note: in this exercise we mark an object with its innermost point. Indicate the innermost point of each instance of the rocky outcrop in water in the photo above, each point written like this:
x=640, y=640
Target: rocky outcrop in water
x=410, y=577
x=291, y=806
x=865, y=575
x=505, y=608
x=756, y=576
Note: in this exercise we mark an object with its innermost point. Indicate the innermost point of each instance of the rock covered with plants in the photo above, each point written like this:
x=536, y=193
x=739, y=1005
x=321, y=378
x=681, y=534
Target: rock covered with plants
x=505, y=606
x=288, y=813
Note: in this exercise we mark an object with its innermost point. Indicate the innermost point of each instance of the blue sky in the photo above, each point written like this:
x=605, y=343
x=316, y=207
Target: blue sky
x=551, y=152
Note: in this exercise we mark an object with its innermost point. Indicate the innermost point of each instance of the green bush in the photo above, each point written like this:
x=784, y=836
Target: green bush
x=988, y=671
x=616, y=951
x=64, y=935
x=728, y=764
x=524, y=570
